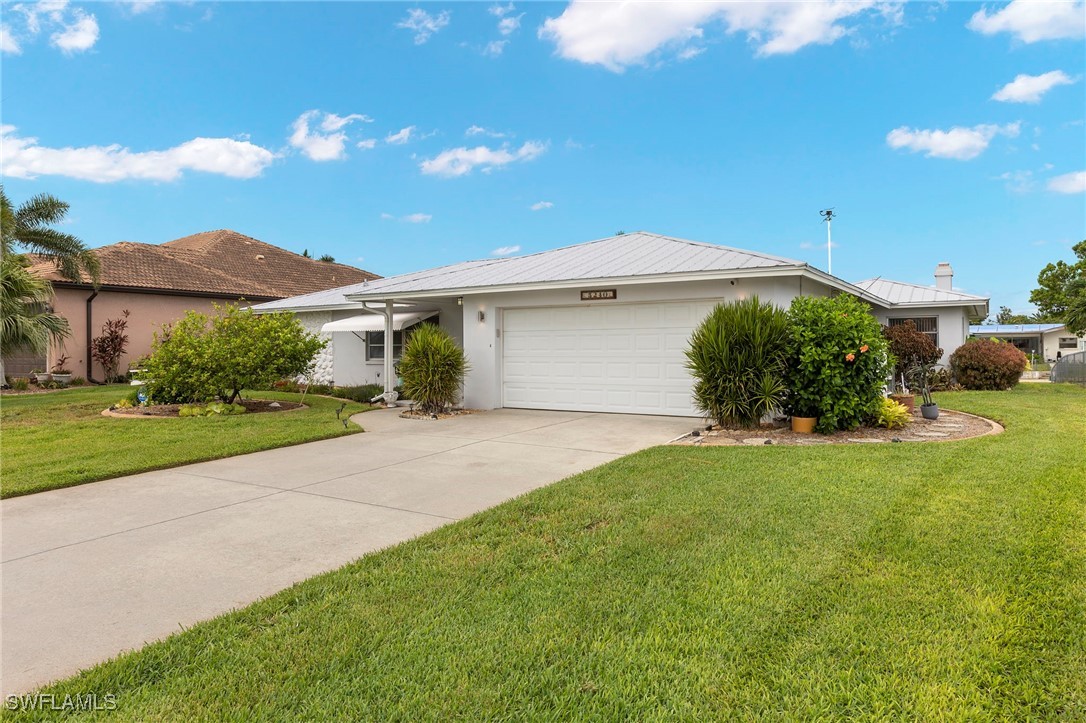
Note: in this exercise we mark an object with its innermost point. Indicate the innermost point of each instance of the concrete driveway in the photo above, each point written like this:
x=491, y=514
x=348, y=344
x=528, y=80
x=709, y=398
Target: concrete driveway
x=88, y=572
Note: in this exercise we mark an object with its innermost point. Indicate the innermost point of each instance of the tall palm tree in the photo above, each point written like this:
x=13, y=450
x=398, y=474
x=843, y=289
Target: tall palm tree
x=26, y=321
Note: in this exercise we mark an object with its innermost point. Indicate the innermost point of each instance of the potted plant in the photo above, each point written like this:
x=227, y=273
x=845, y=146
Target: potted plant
x=804, y=417
x=921, y=376
x=902, y=395
x=61, y=374
x=40, y=378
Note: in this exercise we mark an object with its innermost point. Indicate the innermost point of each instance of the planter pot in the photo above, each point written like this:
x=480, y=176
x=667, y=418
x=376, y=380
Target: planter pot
x=803, y=425
x=62, y=379
x=907, y=399
x=43, y=378
x=929, y=411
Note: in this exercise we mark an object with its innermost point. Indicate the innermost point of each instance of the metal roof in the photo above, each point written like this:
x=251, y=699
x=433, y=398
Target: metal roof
x=902, y=293
x=1013, y=328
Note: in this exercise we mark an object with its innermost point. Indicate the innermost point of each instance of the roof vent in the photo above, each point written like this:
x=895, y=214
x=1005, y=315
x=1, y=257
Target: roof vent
x=260, y=257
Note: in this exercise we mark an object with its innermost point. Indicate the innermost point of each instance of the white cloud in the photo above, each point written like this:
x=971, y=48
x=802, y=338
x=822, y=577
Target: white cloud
x=541, y=205
x=509, y=25
x=400, y=137
x=25, y=158
x=1033, y=20
x=501, y=10
x=8, y=43
x=481, y=131
x=1068, y=183
x=460, y=161
x=409, y=218
x=327, y=141
x=367, y=144
x=1029, y=88
x=495, y=47
x=959, y=143
x=617, y=35
x=423, y=24
x=505, y=250
x=1017, y=181
x=138, y=7
x=76, y=36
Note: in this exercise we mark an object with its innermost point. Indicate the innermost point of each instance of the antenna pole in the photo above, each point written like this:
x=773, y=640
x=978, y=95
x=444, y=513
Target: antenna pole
x=827, y=215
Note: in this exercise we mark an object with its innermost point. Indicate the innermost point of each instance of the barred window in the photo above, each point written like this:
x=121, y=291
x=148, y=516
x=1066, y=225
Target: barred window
x=927, y=325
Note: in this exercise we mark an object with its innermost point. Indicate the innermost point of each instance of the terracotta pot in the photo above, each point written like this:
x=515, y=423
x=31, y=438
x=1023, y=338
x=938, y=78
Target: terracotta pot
x=803, y=425
x=908, y=400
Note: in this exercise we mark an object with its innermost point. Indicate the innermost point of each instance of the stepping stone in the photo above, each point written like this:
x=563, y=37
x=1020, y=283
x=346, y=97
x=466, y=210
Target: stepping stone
x=754, y=440
x=949, y=426
x=725, y=441
x=932, y=434
x=867, y=440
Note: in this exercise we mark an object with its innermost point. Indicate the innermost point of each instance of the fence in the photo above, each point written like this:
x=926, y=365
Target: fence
x=1071, y=368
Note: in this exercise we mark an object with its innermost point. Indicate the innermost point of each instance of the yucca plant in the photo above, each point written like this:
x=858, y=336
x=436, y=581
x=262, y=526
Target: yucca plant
x=738, y=357
x=432, y=367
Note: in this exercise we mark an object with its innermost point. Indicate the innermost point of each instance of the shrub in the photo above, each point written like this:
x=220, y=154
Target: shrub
x=363, y=393
x=433, y=369
x=20, y=384
x=987, y=364
x=198, y=359
x=211, y=410
x=738, y=356
x=108, y=348
x=910, y=348
x=839, y=361
x=891, y=414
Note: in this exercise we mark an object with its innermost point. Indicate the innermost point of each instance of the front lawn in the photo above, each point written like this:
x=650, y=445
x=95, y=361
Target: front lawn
x=61, y=439
x=933, y=581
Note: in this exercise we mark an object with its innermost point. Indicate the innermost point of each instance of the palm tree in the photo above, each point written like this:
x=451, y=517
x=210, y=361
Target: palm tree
x=28, y=228
x=27, y=322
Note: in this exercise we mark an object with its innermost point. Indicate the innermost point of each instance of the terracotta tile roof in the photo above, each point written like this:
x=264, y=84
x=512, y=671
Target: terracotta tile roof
x=217, y=262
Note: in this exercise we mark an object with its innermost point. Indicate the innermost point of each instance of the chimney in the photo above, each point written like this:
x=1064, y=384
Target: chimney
x=944, y=277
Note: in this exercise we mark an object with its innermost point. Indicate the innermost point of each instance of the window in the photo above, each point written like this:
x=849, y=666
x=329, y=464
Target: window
x=1068, y=342
x=375, y=345
x=927, y=325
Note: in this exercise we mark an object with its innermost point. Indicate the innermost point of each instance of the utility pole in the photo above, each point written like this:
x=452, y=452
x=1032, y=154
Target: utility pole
x=827, y=216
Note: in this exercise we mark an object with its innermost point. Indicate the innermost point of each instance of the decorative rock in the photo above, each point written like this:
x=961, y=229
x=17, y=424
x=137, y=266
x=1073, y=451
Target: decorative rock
x=696, y=433
x=274, y=405
x=726, y=440
x=769, y=441
x=896, y=439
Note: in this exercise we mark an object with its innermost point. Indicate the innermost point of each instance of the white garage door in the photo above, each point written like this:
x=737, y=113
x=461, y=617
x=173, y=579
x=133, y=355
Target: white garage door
x=604, y=358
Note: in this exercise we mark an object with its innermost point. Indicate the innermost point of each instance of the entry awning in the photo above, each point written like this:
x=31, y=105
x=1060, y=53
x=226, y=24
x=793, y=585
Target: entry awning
x=376, y=322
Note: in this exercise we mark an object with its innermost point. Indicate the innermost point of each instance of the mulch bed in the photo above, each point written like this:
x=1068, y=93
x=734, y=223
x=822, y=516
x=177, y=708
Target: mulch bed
x=252, y=406
x=415, y=414
x=950, y=425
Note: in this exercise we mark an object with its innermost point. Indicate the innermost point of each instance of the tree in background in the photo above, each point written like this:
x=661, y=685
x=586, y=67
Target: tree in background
x=28, y=229
x=1060, y=288
x=1006, y=316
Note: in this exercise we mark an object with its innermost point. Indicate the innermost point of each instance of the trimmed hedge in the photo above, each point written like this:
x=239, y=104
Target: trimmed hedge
x=987, y=364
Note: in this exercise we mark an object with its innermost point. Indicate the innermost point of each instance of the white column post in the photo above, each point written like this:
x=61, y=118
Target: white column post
x=390, y=371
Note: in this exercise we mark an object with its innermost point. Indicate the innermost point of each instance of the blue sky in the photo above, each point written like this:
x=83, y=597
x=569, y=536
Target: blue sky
x=398, y=137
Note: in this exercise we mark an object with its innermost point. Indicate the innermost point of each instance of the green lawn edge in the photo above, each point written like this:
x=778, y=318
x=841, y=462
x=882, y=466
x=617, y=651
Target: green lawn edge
x=60, y=439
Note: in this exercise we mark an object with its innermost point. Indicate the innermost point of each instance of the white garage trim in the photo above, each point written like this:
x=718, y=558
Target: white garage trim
x=626, y=358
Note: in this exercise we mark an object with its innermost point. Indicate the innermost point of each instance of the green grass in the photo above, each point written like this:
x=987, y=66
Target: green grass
x=61, y=439
x=937, y=581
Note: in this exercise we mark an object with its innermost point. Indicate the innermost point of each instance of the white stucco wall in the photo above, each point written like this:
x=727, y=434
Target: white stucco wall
x=482, y=340
x=1051, y=342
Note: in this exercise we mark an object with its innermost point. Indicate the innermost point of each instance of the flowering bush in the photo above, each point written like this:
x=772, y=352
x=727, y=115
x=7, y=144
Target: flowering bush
x=987, y=364
x=839, y=361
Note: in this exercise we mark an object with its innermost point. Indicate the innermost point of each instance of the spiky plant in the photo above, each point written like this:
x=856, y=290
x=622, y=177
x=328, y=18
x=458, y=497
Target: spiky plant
x=738, y=356
x=433, y=367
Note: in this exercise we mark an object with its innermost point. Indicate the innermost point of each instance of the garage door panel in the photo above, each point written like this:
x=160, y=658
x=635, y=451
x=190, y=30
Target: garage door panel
x=620, y=358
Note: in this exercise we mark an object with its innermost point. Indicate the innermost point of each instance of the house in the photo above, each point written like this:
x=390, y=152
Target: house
x=599, y=326
x=1042, y=342
x=158, y=283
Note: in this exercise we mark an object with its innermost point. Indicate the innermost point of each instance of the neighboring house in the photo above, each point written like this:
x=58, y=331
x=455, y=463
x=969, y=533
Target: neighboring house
x=599, y=327
x=1042, y=341
x=157, y=284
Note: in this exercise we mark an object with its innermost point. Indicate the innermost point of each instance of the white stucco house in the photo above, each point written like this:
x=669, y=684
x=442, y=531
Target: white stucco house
x=1045, y=342
x=600, y=326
